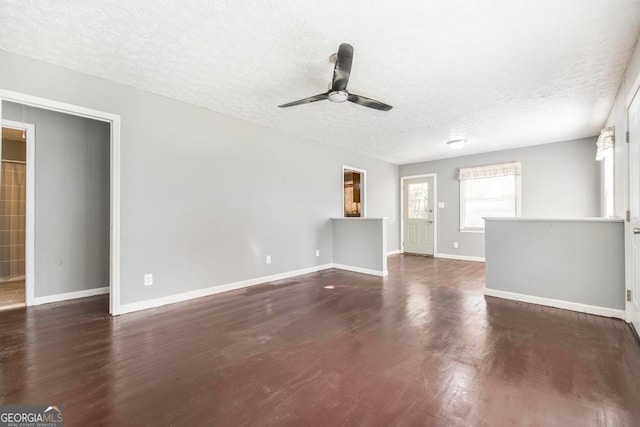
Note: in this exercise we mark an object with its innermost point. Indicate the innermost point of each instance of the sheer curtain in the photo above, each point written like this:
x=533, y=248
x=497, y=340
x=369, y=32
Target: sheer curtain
x=605, y=154
x=12, y=219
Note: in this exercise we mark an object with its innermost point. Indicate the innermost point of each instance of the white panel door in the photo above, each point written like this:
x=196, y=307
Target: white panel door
x=632, y=229
x=418, y=218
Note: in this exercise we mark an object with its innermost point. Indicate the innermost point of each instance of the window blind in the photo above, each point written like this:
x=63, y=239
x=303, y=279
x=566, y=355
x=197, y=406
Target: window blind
x=492, y=171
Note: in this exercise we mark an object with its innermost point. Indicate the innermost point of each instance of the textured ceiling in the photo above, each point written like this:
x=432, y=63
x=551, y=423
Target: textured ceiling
x=501, y=73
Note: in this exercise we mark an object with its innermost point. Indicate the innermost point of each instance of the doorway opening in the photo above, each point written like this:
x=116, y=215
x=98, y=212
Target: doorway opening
x=71, y=180
x=354, y=183
x=15, y=170
x=418, y=214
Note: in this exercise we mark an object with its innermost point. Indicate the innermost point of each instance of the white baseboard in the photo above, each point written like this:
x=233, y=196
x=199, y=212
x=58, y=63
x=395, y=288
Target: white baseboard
x=70, y=295
x=566, y=305
x=460, y=257
x=361, y=270
x=198, y=293
x=397, y=251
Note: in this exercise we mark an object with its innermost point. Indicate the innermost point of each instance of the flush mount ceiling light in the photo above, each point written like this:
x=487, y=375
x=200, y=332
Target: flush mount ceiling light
x=457, y=144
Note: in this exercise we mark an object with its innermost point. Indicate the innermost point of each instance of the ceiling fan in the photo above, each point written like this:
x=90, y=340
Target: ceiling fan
x=338, y=90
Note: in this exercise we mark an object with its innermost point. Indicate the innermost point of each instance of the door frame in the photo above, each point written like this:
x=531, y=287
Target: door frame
x=114, y=122
x=29, y=128
x=435, y=209
x=628, y=233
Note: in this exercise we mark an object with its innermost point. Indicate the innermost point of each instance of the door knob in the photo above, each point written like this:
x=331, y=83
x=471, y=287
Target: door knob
x=636, y=231
x=431, y=222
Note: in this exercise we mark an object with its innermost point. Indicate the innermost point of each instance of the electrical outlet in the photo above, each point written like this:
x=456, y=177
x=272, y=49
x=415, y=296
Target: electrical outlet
x=268, y=259
x=148, y=279
x=455, y=245
x=317, y=252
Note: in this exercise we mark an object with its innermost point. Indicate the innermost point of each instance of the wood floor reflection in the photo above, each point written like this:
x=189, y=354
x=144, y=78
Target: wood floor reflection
x=420, y=347
x=12, y=294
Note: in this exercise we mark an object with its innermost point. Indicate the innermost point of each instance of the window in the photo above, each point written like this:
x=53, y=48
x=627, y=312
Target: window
x=353, y=185
x=607, y=183
x=418, y=201
x=488, y=191
x=605, y=153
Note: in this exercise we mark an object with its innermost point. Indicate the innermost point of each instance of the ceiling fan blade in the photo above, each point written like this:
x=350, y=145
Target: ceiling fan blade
x=368, y=102
x=306, y=100
x=342, y=69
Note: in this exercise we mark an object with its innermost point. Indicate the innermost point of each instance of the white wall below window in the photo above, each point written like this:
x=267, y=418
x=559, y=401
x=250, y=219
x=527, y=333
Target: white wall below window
x=561, y=179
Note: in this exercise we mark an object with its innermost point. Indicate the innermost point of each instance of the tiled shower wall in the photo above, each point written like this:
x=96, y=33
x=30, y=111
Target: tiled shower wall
x=12, y=220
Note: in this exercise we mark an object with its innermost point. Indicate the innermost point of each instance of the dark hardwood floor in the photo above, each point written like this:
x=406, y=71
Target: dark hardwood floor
x=421, y=347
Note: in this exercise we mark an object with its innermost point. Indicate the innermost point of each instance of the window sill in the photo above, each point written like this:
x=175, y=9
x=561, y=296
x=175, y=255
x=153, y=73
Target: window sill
x=467, y=230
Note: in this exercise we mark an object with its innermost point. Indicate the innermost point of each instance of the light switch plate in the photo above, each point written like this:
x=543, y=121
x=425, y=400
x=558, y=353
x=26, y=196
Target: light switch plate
x=440, y=205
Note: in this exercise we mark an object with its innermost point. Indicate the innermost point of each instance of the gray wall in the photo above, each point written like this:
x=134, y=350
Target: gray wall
x=576, y=261
x=71, y=199
x=558, y=180
x=360, y=243
x=205, y=197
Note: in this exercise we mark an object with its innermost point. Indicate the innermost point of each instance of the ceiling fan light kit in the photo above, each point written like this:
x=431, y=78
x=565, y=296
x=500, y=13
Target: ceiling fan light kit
x=338, y=91
x=338, y=96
